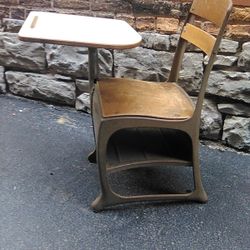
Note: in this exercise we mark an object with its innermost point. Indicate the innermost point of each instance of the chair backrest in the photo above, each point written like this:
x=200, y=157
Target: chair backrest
x=215, y=11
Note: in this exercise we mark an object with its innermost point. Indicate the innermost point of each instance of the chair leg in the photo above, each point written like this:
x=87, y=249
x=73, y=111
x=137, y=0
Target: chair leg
x=107, y=196
x=199, y=193
x=106, y=199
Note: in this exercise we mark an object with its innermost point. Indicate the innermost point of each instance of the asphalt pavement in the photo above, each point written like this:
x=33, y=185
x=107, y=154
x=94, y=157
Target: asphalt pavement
x=47, y=186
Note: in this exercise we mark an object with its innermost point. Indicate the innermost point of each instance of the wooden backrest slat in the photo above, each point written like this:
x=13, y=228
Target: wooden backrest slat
x=212, y=10
x=199, y=38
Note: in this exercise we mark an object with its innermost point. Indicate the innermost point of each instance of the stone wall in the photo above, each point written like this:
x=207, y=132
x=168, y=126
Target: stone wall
x=58, y=74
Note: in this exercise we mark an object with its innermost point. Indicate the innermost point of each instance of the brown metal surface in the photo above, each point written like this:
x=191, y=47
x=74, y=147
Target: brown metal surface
x=141, y=124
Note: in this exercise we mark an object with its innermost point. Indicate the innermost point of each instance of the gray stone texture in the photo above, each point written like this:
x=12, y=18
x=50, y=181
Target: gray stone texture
x=155, y=41
x=174, y=42
x=151, y=65
x=83, y=102
x=82, y=85
x=228, y=46
x=21, y=55
x=2, y=81
x=211, y=121
x=191, y=72
x=237, y=132
x=143, y=64
x=244, y=58
x=234, y=85
x=237, y=109
x=59, y=89
x=12, y=25
x=222, y=60
x=73, y=61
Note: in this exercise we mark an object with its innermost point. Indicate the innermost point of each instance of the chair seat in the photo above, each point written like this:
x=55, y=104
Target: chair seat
x=128, y=97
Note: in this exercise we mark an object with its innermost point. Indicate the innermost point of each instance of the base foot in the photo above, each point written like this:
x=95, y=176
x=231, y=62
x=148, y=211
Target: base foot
x=200, y=196
x=98, y=204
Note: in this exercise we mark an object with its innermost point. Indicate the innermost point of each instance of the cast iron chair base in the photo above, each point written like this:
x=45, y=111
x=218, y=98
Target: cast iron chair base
x=110, y=199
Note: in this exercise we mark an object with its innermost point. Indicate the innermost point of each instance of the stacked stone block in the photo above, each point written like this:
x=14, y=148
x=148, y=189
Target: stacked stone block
x=58, y=74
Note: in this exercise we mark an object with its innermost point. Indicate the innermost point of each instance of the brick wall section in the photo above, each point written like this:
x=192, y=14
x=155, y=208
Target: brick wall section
x=164, y=16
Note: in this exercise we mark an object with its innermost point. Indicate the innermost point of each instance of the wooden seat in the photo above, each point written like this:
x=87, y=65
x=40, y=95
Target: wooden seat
x=128, y=97
x=148, y=124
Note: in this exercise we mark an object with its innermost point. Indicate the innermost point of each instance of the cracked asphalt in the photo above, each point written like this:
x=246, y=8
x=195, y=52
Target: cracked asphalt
x=47, y=186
